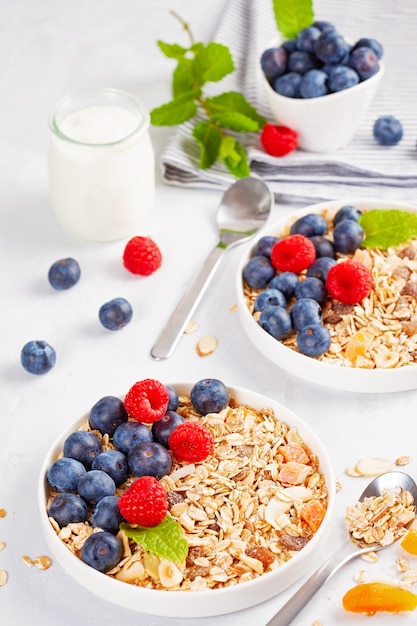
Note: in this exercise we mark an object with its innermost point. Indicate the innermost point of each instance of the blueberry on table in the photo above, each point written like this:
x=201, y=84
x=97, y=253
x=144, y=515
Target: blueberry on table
x=102, y=550
x=37, y=357
x=67, y=508
x=388, y=130
x=64, y=475
x=209, y=395
x=115, y=314
x=64, y=274
x=107, y=414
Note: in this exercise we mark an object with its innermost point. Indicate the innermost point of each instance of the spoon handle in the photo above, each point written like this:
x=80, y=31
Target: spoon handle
x=289, y=611
x=174, y=328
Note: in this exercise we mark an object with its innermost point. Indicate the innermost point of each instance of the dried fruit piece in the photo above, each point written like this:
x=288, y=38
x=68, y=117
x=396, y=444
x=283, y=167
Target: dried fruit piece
x=312, y=513
x=409, y=542
x=369, y=598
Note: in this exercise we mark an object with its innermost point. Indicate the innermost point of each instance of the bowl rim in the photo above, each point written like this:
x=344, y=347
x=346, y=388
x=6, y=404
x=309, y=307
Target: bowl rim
x=196, y=603
x=304, y=367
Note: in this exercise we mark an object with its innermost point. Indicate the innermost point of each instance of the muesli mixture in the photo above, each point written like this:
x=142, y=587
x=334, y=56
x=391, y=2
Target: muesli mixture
x=381, y=330
x=249, y=507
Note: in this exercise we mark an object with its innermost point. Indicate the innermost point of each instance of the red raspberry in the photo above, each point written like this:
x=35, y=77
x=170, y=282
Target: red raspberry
x=293, y=254
x=142, y=256
x=191, y=441
x=147, y=401
x=144, y=503
x=349, y=282
x=278, y=140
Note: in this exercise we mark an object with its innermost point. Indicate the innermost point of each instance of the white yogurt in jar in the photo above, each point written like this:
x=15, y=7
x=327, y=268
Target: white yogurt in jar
x=101, y=165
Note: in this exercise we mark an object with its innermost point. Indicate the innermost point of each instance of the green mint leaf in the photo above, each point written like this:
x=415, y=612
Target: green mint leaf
x=182, y=78
x=291, y=16
x=177, y=111
x=386, y=228
x=166, y=539
x=209, y=139
x=235, y=121
x=236, y=102
x=233, y=155
x=172, y=50
x=212, y=63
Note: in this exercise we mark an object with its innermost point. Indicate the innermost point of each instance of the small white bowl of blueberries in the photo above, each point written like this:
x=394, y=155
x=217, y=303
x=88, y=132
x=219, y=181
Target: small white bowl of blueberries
x=321, y=85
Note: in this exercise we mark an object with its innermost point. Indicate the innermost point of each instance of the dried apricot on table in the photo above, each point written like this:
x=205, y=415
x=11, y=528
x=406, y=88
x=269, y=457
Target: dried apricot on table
x=369, y=598
x=409, y=542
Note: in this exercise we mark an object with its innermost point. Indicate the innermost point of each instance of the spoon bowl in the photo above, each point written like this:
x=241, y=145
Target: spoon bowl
x=243, y=210
x=399, y=481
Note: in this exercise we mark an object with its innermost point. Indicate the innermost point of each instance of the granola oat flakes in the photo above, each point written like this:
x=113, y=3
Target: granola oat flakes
x=221, y=504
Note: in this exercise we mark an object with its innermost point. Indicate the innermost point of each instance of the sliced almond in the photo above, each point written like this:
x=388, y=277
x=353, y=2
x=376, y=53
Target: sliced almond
x=207, y=345
x=3, y=577
x=190, y=328
x=374, y=466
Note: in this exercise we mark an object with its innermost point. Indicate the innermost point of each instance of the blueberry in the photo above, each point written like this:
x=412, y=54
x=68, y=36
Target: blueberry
x=331, y=47
x=273, y=62
x=149, y=459
x=347, y=236
x=173, y=399
x=82, y=446
x=288, y=84
x=114, y=463
x=209, y=395
x=115, y=314
x=314, y=84
x=324, y=26
x=269, y=297
x=301, y=62
x=285, y=282
x=320, y=267
x=288, y=45
x=264, y=246
x=276, y=321
x=129, y=434
x=364, y=61
x=342, y=77
x=311, y=287
x=347, y=212
x=388, y=130
x=67, y=508
x=322, y=246
x=313, y=340
x=106, y=515
x=305, y=312
x=37, y=357
x=258, y=271
x=107, y=414
x=102, y=551
x=306, y=38
x=95, y=485
x=64, y=274
x=309, y=225
x=162, y=429
x=64, y=474
x=367, y=42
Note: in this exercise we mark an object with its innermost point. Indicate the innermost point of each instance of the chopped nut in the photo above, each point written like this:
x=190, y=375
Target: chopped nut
x=3, y=577
x=3, y=513
x=374, y=466
x=402, y=460
x=2, y=545
x=361, y=576
x=190, y=328
x=206, y=345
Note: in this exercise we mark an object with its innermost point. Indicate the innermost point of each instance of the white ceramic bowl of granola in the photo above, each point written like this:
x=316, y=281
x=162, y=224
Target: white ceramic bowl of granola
x=209, y=602
x=328, y=374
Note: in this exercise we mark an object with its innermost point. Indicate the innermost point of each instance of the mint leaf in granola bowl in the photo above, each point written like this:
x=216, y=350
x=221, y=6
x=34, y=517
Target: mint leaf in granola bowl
x=388, y=227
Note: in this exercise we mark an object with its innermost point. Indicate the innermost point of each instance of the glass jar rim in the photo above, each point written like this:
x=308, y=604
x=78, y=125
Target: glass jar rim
x=75, y=102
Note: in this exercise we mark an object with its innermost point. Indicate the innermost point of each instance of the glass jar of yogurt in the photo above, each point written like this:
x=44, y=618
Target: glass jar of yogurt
x=101, y=165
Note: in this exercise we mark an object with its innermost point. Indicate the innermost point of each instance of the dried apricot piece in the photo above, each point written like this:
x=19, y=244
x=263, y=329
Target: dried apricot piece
x=409, y=542
x=312, y=513
x=369, y=598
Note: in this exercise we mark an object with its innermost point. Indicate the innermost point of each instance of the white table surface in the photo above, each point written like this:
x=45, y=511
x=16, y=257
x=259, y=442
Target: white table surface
x=48, y=49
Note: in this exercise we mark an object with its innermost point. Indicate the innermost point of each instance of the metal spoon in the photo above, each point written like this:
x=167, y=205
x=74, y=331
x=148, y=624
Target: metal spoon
x=243, y=210
x=297, y=602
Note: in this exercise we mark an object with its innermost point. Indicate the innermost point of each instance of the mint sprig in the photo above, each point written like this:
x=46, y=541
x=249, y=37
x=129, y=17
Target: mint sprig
x=196, y=66
x=291, y=16
x=386, y=228
x=166, y=539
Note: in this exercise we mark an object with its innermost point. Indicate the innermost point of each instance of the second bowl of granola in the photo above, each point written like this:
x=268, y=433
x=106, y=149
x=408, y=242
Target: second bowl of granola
x=256, y=514
x=373, y=345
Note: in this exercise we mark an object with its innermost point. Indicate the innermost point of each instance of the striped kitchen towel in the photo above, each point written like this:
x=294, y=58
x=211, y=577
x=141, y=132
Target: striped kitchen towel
x=363, y=167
